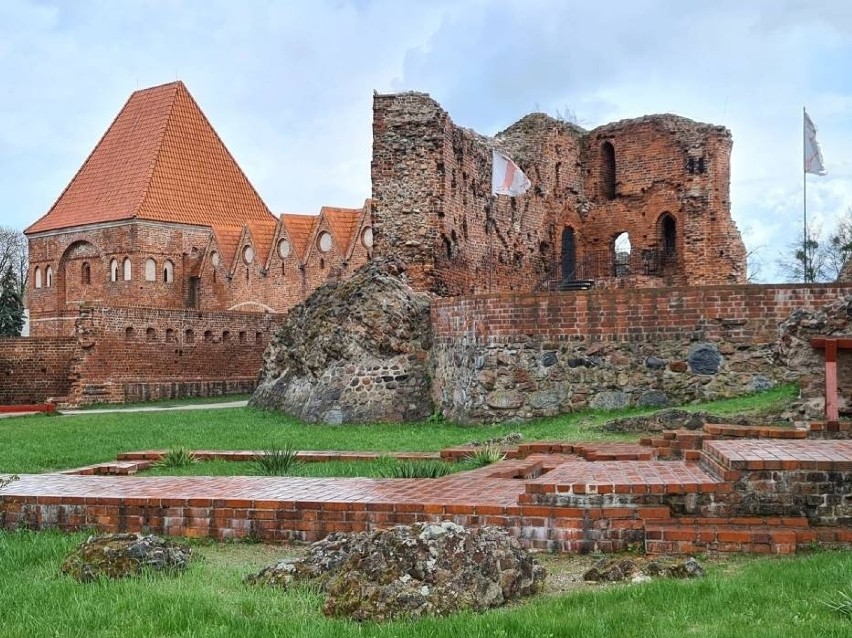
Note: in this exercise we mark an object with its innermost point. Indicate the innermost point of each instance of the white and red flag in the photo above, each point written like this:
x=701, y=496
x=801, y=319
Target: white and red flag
x=506, y=177
x=813, y=156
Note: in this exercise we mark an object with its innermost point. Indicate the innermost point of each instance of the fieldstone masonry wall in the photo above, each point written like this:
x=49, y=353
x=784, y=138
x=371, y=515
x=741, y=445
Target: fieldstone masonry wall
x=517, y=357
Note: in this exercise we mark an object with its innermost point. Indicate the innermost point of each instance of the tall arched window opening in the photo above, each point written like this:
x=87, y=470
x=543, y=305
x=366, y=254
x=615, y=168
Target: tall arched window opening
x=150, y=270
x=622, y=249
x=128, y=269
x=86, y=273
x=113, y=270
x=668, y=236
x=37, y=277
x=48, y=276
x=168, y=272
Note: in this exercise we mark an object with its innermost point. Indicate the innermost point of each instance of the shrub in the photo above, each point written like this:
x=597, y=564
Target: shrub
x=414, y=469
x=277, y=461
x=177, y=457
x=485, y=455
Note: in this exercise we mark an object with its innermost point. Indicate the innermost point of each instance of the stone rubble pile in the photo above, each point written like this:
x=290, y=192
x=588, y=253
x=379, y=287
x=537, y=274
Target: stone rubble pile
x=405, y=572
x=123, y=555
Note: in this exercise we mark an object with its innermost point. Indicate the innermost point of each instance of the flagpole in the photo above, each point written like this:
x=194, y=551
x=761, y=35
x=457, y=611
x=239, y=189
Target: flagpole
x=804, y=202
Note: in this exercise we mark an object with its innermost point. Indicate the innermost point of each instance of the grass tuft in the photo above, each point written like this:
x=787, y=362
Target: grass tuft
x=177, y=457
x=414, y=469
x=277, y=461
x=485, y=455
x=841, y=605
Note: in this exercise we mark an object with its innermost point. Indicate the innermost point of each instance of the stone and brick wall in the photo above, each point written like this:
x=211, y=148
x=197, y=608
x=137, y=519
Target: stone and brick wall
x=521, y=356
x=35, y=369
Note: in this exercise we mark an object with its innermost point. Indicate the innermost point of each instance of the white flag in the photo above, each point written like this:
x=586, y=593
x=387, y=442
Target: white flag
x=506, y=177
x=813, y=156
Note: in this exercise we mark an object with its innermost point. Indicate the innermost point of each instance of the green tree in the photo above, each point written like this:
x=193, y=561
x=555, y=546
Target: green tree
x=11, y=305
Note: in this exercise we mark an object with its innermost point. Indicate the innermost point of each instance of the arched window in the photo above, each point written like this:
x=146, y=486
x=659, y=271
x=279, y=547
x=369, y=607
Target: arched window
x=170, y=335
x=150, y=270
x=113, y=270
x=668, y=236
x=189, y=336
x=48, y=276
x=168, y=272
x=128, y=269
x=622, y=248
x=86, y=273
x=128, y=333
x=226, y=336
x=150, y=335
x=37, y=277
x=608, y=170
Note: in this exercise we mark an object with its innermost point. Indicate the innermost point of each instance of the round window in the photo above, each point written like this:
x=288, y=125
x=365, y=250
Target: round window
x=283, y=248
x=324, y=242
x=248, y=254
x=214, y=258
x=367, y=237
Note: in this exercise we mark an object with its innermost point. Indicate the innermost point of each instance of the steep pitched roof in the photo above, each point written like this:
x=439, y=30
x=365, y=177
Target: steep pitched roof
x=342, y=223
x=299, y=229
x=160, y=160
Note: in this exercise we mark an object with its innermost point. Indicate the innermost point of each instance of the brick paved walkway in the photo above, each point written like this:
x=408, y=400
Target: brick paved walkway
x=550, y=496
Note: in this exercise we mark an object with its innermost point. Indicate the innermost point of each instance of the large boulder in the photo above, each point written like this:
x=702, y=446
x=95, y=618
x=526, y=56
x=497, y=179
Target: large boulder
x=122, y=555
x=412, y=571
x=353, y=352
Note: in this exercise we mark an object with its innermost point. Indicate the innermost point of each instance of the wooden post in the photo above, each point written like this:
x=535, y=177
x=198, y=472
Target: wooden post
x=831, y=412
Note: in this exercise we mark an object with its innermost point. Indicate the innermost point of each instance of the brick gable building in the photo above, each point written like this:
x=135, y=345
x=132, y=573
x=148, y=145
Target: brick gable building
x=160, y=215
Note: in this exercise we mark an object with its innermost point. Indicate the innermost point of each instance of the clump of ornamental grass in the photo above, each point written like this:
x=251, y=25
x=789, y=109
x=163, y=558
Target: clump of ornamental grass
x=177, y=457
x=484, y=455
x=414, y=469
x=277, y=461
x=841, y=605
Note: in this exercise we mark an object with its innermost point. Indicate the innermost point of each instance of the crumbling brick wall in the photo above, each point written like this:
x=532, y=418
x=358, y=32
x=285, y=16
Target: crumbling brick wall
x=661, y=179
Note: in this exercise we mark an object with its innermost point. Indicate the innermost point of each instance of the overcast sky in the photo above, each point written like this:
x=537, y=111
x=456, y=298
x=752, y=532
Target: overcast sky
x=288, y=85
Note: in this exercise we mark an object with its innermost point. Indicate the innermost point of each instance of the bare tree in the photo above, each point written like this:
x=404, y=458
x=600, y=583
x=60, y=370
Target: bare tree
x=13, y=252
x=822, y=258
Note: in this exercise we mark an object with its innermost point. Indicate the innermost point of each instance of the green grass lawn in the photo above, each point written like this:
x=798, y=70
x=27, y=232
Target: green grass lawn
x=744, y=598
x=35, y=444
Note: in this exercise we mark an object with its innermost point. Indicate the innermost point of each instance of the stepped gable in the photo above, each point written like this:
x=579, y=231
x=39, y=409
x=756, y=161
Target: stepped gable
x=161, y=160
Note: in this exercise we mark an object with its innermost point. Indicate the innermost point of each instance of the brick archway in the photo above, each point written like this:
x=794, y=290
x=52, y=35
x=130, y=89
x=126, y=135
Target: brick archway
x=72, y=286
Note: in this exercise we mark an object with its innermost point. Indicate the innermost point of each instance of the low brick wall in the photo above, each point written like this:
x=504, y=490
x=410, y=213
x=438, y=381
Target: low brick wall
x=522, y=356
x=35, y=369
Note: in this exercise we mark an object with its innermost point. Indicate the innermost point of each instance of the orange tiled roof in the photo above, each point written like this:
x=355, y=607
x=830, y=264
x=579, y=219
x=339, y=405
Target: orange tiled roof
x=161, y=160
x=299, y=229
x=342, y=223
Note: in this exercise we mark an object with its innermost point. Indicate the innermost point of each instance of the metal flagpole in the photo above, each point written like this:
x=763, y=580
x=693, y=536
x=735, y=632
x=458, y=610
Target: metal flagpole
x=804, y=202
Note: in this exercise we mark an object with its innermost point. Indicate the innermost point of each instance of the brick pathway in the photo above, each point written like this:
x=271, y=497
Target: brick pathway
x=550, y=496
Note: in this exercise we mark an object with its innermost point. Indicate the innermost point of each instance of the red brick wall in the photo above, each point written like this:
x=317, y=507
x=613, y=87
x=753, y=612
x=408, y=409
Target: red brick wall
x=746, y=313
x=33, y=370
x=168, y=351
